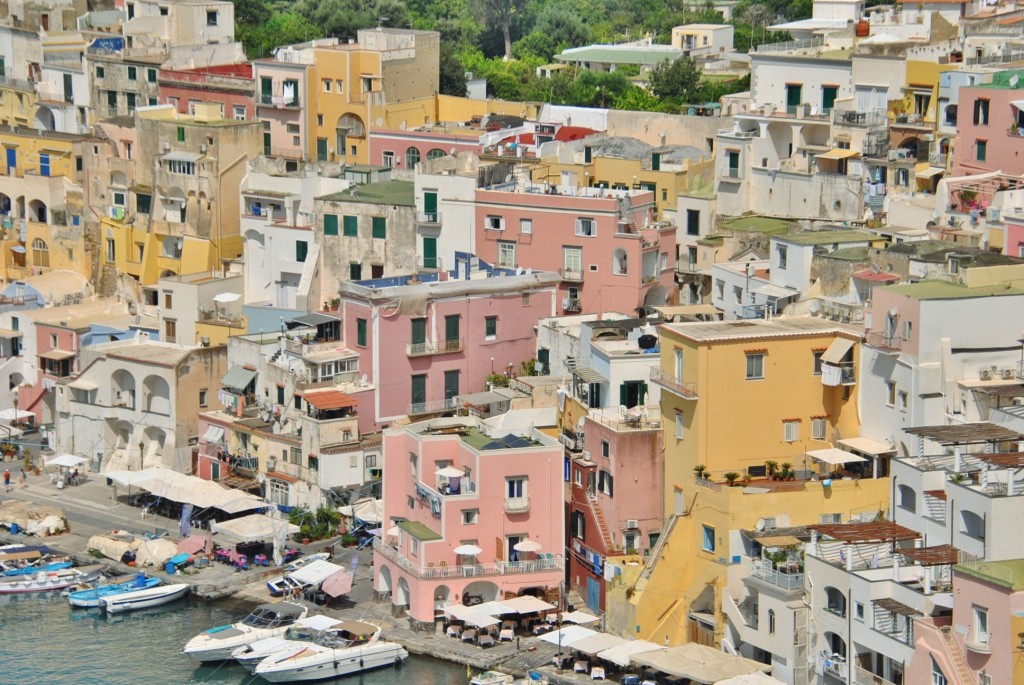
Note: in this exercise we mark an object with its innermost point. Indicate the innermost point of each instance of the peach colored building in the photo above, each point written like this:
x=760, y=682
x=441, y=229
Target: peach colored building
x=509, y=490
x=605, y=244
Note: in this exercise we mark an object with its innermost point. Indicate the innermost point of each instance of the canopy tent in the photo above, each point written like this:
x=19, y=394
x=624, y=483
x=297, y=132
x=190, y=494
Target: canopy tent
x=179, y=487
x=480, y=620
x=252, y=528
x=367, y=510
x=578, y=617
x=568, y=635
x=835, y=456
x=337, y=584
x=194, y=544
x=315, y=572
x=67, y=460
x=14, y=414
x=527, y=604
x=597, y=643
x=699, y=663
x=620, y=654
x=460, y=611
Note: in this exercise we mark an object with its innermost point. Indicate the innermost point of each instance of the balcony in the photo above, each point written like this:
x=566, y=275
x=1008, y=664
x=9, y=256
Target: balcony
x=433, y=407
x=552, y=562
x=847, y=117
x=687, y=391
x=886, y=342
x=517, y=505
x=424, y=349
x=862, y=676
x=278, y=101
x=428, y=218
x=842, y=373
x=571, y=305
x=731, y=175
x=429, y=263
x=836, y=667
x=571, y=275
x=687, y=267
x=766, y=572
x=649, y=278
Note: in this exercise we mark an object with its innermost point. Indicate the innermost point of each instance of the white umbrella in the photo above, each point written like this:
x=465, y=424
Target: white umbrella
x=450, y=472
x=460, y=611
x=226, y=297
x=468, y=550
x=566, y=636
x=527, y=546
x=578, y=617
x=14, y=414
x=494, y=608
x=527, y=604
x=478, y=620
x=68, y=460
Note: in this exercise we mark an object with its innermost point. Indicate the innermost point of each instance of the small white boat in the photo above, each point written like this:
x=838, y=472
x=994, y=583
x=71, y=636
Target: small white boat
x=266, y=620
x=305, y=630
x=351, y=647
x=144, y=599
x=89, y=598
x=492, y=678
x=44, y=581
x=283, y=585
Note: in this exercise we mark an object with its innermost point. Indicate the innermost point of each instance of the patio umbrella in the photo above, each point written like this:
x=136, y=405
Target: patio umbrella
x=338, y=584
x=450, y=472
x=566, y=636
x=480, y=620
x=527, y=604
x=68, y=460
x=493, y=608
x=527, y=546
x=227, y=297
x=578, y=617
x=468, y=550
x=459, y=611
x=392, y=532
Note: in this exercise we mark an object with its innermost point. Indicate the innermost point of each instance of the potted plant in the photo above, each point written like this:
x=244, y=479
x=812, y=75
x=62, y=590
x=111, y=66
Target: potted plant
x=9, y=450
x=771, y=468
x=701, y=472
x=958, y=477
x=732, y=477
x=746, y=479
x=787, y=472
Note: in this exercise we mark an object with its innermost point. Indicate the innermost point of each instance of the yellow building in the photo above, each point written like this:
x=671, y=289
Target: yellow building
x=41, y=203
x=750, y=402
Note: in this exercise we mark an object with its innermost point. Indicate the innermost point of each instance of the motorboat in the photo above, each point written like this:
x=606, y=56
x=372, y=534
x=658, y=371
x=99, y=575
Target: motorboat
x=29, y=570
x=283, y=585
x=303, y=630
x=350, y=647
x=492, y=678
x=45, y=581
x=145, y=598
x=266, y=620
x=90, y=597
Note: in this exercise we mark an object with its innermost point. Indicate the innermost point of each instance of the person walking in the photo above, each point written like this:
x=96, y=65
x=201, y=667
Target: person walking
x=7, y=480
x=23, y=479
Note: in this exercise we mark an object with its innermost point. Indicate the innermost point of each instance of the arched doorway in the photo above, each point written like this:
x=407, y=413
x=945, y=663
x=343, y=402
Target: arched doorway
x=478, y=592
x=403, y=597
x=384, y=580
x=442, y=598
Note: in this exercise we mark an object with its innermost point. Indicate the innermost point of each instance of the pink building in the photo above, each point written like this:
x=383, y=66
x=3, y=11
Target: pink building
x=281, y=104
x=981, y=641
x=405, y=149
x=424, y=344
x=610, y=253
x=1014, y=246
x=57, y=356
x=991, y=123
x=509, y=489
x=229, y=85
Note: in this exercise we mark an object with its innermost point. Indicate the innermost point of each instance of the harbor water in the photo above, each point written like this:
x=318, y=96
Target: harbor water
x=46, y=642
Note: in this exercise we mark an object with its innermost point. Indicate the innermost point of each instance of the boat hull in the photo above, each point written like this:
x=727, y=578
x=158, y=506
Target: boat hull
x=144, y=599
x=56, y=581
x=331, y=663
x=91, y=599
x=221, y=650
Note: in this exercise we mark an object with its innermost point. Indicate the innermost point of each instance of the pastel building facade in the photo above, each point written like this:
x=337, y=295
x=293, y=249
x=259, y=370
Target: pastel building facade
x=510, y=490
x=989, y=123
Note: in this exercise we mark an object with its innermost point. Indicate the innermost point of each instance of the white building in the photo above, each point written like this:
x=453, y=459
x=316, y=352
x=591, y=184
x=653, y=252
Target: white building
x=699, y=40
x=445, y=194
x=183, y=301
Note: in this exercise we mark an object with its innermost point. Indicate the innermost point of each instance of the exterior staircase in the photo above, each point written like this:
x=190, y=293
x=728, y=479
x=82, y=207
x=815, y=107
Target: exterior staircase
x=602, y=526
x=963, y=672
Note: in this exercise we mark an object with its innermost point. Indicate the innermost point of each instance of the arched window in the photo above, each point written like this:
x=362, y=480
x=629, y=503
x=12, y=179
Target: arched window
x=835, y=601
x=619, y=262
x=435, y=153
x=40, y=253
x=771, y=621
x=908, y=498
x=412, y=158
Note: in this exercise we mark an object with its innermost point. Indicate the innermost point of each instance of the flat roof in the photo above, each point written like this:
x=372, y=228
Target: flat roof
x=379, y=193
x=1009, y=573
x=759, y=224
x=944, y=290
x=151, y=352
x=827, y=237
x=965, y=433
x=759, y=328
x=645, y=55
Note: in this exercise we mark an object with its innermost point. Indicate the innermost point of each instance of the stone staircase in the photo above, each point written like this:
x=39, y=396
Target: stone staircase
x=602, y=526
x=963, y=672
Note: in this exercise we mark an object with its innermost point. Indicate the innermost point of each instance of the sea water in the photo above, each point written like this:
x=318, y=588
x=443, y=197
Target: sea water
x=43, y=641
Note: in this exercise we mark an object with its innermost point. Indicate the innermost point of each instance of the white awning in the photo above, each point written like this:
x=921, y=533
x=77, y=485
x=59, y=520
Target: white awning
x=252, y=528
x=597, y=643
x=619, y=655
x=837, y=350
x=867, y=445
x=929, y=172
x=214, y=433
x=776, y=292
x=80, y=384
x=182, y=156
x=839, y=153
x=315, y=573
x=835, y=456
x=1019, y=104
x=566, y=636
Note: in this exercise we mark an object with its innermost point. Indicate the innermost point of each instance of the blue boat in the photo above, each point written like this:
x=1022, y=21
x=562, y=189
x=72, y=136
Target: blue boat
x=31, y=570
x=94, y=597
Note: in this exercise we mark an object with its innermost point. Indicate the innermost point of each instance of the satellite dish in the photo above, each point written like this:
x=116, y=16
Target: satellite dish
x=815, y=308
x=894, y=311
x=529, y=270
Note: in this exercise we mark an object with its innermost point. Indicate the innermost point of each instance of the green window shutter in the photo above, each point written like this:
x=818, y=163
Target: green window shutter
x=151, y=75
x=624, y=395
x=643, y=394
x=301, y=250
x=380, y=227
x=351, y=226
x=181, y=134
x=361, y=332
x=419, y=331
x=330, y=224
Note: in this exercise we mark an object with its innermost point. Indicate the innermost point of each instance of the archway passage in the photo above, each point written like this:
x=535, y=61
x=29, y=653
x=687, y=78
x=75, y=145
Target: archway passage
x=478, y=592
x=384, y=579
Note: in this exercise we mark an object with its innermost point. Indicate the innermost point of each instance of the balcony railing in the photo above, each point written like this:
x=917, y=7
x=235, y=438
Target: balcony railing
x=279, y=102
x=847, y=374
x=426, y=348
x=517, y=505
x=848, y=117
x=862, y=676
x=553, y=562
x=649, y=278
x=571, y=275
x=766, y=572
x=430, y=263
x=884, y=341
x=433, y=407
x=428, y=218
x=688, y=391
x=571, y=304
x=836, y=667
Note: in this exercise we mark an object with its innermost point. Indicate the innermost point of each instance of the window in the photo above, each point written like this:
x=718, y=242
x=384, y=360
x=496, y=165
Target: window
x=203, y=394
x=168, y=299
x=890, y=393
x=490, y=327
x=327, y=85
x=133, y=74
x=605, y=449
x=771, y=621
x=858, y=611
x=293, y=128
x=781, y=251
x=835, y=601
x=494, y=223
x=111, y=251
x=40, y=253
x=907, y=328
x=340, y=86
x=506, y=255
x=908, y=498
x=819, y=428
x=982, y=150
x=361, y=332
x=277, y=491
x=412, y=157
x=817, y=362
x=586, y=227
x=53, y=341
x=827, y=519
x=418, y=331
x=604, y=483
x=350, y=226
x=755, y=366
x=355, y=271
x=938, y=677
x=980, y=626
x=143, y=202
x=330, y=224
x=177, y=166
x=578, y=525
x=100, y=71
x=981, y=112
x=679, y=425
x=720, y=288
x=301, y=250
x=515, y=488
x=902, y=399
x=526, y=226
x=526, y=299
x=170, y=331
x=709, y=539
x=791, y=431
x=470, y=516
x=181, y=134
x=380, y=227
x=238, y=112
x=693, y=222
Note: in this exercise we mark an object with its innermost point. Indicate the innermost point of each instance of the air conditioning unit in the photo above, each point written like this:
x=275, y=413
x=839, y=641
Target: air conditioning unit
x=985, y=374
x=202, y=147
x=1008, y=374
x=632, y=524
x=586, y=455
x=204, y=341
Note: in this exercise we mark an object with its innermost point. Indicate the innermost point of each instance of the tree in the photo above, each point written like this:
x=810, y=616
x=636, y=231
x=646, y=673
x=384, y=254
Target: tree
x=675, y=81
x=276, y=30
x=344, y=18
x=452, y=73
x=636, y=99
x=501, y=12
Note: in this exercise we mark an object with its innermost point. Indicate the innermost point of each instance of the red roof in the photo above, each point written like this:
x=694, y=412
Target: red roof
x=869, y=275
x=568, y=133
x=330, y=399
